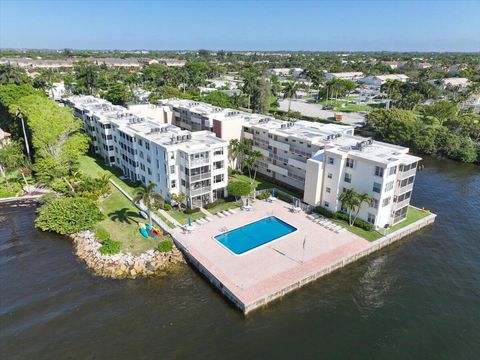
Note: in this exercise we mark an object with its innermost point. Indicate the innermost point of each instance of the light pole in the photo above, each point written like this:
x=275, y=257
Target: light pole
x=19, y=115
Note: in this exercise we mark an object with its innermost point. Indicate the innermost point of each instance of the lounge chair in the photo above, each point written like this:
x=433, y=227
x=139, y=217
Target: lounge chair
x=230, y=211
x=209, y=219
x=220, y=215
x=313, y=216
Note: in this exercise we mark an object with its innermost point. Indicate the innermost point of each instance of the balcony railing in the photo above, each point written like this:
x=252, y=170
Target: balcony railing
x=199, y=177
x=200, y=191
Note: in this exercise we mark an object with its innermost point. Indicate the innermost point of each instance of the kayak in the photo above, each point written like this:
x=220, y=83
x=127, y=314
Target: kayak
x=144, y=232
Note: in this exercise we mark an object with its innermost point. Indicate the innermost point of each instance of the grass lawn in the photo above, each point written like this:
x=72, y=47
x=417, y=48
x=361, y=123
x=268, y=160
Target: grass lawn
x=224, y=206
x=122, y=219
x=164, y=219
x=182, y=218
x=344, y=106
x=413, y=215
x=262, y=184
x=94, y=167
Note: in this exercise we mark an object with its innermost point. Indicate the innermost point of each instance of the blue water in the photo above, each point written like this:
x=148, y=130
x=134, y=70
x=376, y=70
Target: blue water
x=253, y=235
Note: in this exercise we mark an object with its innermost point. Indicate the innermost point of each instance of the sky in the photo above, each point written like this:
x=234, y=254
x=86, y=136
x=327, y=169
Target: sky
x=242, y=25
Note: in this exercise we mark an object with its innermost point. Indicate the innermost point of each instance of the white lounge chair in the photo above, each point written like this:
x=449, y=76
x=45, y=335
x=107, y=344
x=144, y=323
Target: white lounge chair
x=220, y=215
x=313, y=216
x=209, y=219
x=230, y=211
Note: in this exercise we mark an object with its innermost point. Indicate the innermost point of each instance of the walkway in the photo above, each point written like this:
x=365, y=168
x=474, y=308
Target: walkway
x=169, y=217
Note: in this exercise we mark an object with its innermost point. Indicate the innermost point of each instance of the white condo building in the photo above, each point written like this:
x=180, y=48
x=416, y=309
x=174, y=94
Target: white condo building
x=149, y=150
x=299, y=154
x=183, y=147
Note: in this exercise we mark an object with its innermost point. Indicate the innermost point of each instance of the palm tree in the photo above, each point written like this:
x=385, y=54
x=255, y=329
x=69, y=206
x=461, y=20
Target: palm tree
x=290, y=92
x=250, y=163
x=233, y=151
x=147, y=195
x=352, y=201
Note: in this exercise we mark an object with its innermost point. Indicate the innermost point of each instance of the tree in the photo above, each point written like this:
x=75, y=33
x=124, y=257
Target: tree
x=86, y=75
x=239, y=189
x=250, y=163
x=290, y=92
x=147, y=195
x=394, y=125
x=11, y=157
x=260, y=96
x=68, y=215
x=352, y=201
x=13, y=75
x=179, y=199
x=117, y=94
x=218, y=98
x=441, y=110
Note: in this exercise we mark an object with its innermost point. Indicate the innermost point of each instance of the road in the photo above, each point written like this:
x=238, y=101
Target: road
x=315, y=110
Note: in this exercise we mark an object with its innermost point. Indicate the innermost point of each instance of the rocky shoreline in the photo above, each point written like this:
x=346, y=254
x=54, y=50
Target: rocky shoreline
x=122, y=266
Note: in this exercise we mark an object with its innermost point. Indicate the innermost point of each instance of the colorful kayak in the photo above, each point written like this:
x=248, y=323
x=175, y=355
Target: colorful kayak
x=144, y=232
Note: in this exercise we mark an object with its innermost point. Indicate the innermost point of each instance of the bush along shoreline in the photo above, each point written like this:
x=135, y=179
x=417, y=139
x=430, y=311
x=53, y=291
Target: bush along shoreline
x=121, y=265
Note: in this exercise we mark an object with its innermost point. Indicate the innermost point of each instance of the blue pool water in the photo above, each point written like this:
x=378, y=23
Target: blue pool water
x=250, y=236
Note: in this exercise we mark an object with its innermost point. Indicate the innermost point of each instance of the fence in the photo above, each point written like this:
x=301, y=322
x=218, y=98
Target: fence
x=282, y=195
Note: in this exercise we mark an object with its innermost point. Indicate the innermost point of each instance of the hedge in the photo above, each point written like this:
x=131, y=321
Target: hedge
x=191, y=210
x=214, y=203
x=342, y=216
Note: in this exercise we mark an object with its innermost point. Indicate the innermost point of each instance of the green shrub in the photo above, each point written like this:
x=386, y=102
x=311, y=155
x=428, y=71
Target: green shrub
x=47, y=198
x=358, y=222
x=68, y=215
x=165, y=246
x=191, y=210
x=263, y=195
x=109, y=247
x=10, y=190
x=102, y=234
x=167, y=207
x=325, y=212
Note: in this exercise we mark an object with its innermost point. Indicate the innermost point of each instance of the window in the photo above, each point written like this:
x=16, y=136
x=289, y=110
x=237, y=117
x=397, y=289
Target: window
x=183, y=182
x=389, y=186
x=378, y=171
x=149, y=171
x=218, y=152
x=172, y=169
x=386, y=201
x=371, y=218
x=173, y=184
x=218, y=178
x=349, y=163
x=217, y=165
x=326, y=204
x=140, y=142
x=330, y=160
x=392, y=170
x=172, y=156
x=112, y=159
x=328, y=190
x=374, y=204
x=377, y=187
x=329, y=175
x=348, y=178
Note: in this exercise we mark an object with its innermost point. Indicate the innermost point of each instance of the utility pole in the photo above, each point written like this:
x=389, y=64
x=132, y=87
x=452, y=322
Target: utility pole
x=19, y=115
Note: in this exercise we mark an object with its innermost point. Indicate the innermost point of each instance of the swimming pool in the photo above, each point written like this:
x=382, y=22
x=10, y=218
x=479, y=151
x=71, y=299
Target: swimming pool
x=250, y=236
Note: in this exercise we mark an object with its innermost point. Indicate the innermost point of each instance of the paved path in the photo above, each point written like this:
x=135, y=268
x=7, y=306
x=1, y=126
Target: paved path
x=169, y=217
x=315, y=110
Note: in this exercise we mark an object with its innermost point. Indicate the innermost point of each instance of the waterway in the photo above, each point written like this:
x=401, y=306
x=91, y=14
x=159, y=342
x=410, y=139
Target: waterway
x=418, y=299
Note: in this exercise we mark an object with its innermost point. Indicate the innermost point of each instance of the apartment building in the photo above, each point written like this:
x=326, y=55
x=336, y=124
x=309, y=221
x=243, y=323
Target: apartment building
x=383, y=171
x=149, y=150
x=319, y=159
x=353, y=76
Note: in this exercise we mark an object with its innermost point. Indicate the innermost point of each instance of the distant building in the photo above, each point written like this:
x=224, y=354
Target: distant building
x=352, y=76
x=379, y=80
x=394, y=64
x=284, y=72
x=442, y=84
x=423, y=65
x=172, y=62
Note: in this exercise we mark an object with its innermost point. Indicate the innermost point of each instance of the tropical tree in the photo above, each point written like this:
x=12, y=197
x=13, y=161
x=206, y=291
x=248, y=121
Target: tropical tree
x=11, y=157
x=148, y=196
x=352, y=202
x=239, y=189
x=290, y=92
x=250, y=163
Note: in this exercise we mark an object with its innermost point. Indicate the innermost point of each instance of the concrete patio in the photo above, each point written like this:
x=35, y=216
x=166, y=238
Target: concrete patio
x=262, y=274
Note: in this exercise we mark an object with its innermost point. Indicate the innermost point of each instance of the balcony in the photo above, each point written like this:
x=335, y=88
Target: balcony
x=198, y=177
x=401, y=190
x=401, y=204
x=200, y=191
x=278, y=145
x=406, y=174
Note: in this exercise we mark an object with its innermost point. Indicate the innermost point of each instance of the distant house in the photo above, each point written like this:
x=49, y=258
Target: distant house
x=379, y=80
x=353, y=76
x=394, y=64
x=473, y=102
x=456, y=81
x=4, y=138
x=283, y=72
x=423, y=65
x=172, y=62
